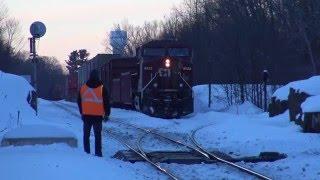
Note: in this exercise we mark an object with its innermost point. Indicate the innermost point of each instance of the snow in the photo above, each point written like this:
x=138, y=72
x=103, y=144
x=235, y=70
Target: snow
x=242, y=130
x=245, y=108
x=14, y=91
x=37, y=131
x=246, y=133
x=57, y=162
x=311, y=104
x=310, y=86
x=201, y=98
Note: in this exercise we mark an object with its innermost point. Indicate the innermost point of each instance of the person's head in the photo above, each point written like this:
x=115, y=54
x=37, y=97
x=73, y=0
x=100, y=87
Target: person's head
x=94, y=75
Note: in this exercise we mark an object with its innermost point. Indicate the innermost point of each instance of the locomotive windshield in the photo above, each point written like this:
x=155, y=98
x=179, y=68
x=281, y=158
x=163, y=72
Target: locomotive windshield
x=154, y=52
x=175, y=52
x=179, y=52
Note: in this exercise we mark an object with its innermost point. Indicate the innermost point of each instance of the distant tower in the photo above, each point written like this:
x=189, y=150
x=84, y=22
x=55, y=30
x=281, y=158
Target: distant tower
x=118, y=41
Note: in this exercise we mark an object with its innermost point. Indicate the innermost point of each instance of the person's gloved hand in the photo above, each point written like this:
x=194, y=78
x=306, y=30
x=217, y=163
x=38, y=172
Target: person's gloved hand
x=105, y=118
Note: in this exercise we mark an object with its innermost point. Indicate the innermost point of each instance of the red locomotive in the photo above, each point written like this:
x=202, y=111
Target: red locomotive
x=157, y=82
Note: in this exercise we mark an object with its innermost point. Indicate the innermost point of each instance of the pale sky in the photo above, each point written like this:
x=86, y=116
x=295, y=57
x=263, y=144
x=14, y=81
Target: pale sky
x=78, y=24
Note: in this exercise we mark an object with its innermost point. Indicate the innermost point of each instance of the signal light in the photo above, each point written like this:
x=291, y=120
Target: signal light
x=167, y=63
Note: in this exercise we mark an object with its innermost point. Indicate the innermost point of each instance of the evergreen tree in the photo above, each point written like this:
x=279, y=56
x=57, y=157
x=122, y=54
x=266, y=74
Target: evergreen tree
x=76, y=59
x=72, y=62
x=83, y=55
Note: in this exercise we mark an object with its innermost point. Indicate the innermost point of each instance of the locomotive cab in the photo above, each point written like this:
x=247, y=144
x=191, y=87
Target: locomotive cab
x=165, y=81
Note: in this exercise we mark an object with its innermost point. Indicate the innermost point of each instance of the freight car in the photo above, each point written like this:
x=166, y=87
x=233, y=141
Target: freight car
x=157, y=82
x=120, y=76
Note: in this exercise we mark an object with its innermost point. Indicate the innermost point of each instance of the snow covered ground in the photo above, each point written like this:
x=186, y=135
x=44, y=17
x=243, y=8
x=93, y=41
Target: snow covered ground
x=57, y=161
x=238, y=131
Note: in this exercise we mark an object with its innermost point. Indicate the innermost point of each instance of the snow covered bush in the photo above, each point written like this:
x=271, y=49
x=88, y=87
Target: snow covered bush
x=310, y=86
x=14, y=91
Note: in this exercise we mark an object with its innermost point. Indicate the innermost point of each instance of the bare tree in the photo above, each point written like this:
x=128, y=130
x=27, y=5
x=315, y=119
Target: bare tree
x=303, y=20
x=3, y=12
x=137, y=35
x=12, y=33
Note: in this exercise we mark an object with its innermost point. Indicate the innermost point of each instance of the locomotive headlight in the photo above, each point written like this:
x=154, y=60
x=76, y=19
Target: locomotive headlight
x=167, y=63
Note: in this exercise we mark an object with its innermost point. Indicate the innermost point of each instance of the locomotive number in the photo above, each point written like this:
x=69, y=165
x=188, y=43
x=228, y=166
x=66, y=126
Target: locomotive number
x=187, y=68
x=148, y=68
x=164, y=72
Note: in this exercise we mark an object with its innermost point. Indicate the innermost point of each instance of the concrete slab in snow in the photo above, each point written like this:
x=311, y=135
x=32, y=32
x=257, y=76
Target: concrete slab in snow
x=38, y=134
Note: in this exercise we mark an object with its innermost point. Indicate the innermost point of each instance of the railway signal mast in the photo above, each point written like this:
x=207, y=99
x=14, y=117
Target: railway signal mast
x=37, y=30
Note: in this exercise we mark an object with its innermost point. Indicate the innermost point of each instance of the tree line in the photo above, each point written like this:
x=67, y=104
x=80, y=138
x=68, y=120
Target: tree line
x=51, y=76
x=242, y=36
x=234, y=41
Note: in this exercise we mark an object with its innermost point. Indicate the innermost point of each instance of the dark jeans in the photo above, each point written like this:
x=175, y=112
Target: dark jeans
x=97, y=128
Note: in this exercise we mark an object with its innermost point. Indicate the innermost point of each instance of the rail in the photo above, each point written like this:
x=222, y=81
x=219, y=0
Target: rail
x=142, y=155
x=164, y=137
x=214, y=156
x=58, y=104
x=197, y=148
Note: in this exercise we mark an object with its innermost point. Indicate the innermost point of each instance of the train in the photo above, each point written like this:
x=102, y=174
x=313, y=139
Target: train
x=157, y=81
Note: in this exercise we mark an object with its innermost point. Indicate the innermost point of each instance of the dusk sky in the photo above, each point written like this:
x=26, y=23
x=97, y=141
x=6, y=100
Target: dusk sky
x=77, y=24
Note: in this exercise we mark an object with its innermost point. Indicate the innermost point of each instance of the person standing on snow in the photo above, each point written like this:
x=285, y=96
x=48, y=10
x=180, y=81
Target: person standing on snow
x=94, y=107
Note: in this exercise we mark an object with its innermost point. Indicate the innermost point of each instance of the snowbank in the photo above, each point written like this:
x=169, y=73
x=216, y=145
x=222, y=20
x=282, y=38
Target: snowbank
x=14, y=91
x=310, y=86
x=38, y=131
x=57, y=162
x=312, y=104
x=219, y=101
x=201, y=93
x=39, y=134
x=245, y=108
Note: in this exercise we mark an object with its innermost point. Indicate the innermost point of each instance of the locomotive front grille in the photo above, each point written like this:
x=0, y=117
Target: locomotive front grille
x=170, y=105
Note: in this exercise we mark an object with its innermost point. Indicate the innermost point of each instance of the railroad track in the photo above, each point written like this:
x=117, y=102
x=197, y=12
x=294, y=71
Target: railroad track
x=63, y=106
x=196, y=147
x=3, y=130
x=216, y=157
x=139, y=152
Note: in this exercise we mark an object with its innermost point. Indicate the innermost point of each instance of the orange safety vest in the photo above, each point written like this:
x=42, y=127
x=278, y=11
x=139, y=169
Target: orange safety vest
x=92, y=101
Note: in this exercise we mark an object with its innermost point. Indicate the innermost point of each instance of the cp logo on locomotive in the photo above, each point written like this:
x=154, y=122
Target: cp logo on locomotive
x=164, y=72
